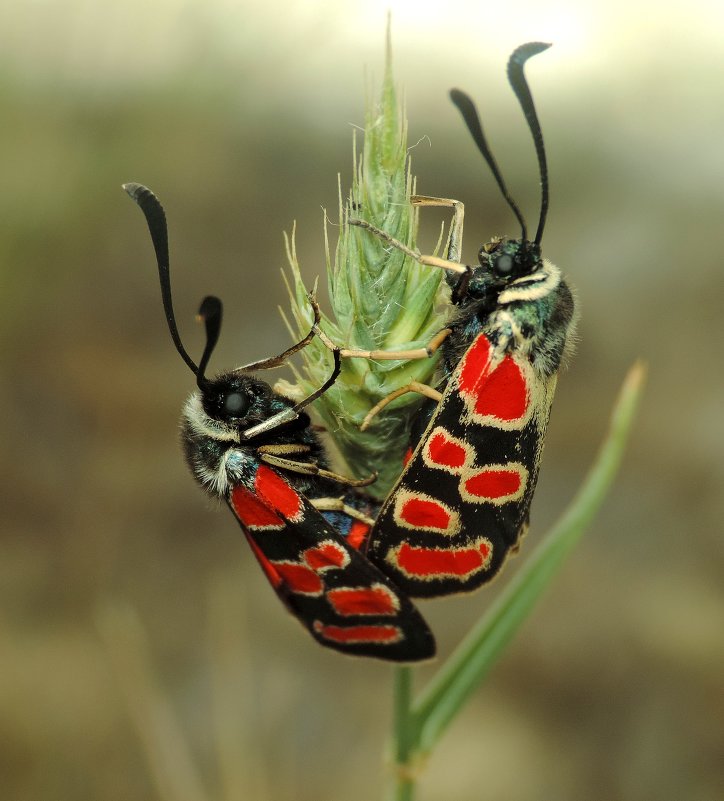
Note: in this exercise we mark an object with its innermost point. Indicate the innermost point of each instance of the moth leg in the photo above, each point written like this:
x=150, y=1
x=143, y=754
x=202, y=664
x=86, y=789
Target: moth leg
x=283, y=449
x=413, y=386
x=312, y=469
x=455, y=237
x=292, y=412
x=430, y=261
x=338, y=505
x=277, y=361
x=389, y=355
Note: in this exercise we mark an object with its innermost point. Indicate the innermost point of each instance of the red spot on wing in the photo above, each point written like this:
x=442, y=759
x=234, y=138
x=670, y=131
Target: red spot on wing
x=445, y=451
x=375, y=600
x=493, y=483
x=501, y=393
x=326, y=555
x=278, y=493
x=474, y=365
x=380, y=635
x=299, y=578
x=425, y=514
x=269, y=570
x=251, y=511
x=504, y=395
x=357, y=534
x=429, y=563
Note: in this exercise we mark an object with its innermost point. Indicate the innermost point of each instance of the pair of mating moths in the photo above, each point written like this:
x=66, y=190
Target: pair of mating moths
x=343, y=566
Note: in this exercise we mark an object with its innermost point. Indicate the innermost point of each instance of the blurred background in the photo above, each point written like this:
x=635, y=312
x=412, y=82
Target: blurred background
x=135, y=627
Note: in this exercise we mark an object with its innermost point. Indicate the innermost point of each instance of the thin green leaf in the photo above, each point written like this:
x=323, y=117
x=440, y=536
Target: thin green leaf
x=405, y=730
x=464, y=670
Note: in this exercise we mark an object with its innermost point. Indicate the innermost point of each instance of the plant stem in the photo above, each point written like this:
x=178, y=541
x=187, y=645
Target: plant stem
x=461, y=675
x=404, y=727
x=419, y=726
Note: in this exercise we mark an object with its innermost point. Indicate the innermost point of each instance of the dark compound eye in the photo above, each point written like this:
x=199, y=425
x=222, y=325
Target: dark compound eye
x=503, y=265
x=235, y=404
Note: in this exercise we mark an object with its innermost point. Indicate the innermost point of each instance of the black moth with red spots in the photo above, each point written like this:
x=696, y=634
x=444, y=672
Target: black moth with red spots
x=256, y=450
x=462, y=502
x=344, y=601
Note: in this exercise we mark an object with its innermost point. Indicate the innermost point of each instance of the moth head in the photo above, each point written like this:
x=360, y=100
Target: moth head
x=504, y=260
x=507, y=259
x=226, y=398
x=237, y=400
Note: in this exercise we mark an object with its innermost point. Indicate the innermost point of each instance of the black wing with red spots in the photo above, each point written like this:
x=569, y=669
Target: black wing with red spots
x=338, y=595
x=461, y=504
x=228, y=426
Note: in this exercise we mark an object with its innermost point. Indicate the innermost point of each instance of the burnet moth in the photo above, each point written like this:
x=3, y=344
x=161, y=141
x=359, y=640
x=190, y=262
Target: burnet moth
x=256, y=449
x=462, y=502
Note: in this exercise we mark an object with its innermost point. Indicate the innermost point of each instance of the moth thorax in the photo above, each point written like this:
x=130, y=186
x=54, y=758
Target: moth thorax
x=535, y=286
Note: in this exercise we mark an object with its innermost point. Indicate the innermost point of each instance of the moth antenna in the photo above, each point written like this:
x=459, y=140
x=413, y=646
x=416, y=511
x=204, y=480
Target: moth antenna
x=155, y=216
x=470, y=115
x=517, y=80
x=210, y=312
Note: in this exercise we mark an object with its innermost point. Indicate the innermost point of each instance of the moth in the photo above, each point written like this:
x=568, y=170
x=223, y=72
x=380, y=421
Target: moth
x=257, y=451
x=461, y=504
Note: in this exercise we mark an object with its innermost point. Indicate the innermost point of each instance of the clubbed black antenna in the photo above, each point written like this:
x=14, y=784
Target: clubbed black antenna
x=210, y=312
x=156, y=219
x=516, y=63
x=472, y=120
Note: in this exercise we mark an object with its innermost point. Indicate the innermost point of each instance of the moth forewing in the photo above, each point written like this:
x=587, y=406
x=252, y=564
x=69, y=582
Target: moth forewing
x=463, y=500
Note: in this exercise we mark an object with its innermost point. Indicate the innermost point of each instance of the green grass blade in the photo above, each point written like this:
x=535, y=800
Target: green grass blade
x=468, y=665
x=402, y=786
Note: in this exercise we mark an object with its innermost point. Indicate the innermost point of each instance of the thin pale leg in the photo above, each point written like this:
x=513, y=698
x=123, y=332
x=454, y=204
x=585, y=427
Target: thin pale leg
x=283, y=449
x=413, y=386
x=390, y=355
x=430, y=261
x=277, y=361
x=338, y=505
x=455, y=238
x=311, y=469
x=292, y=413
